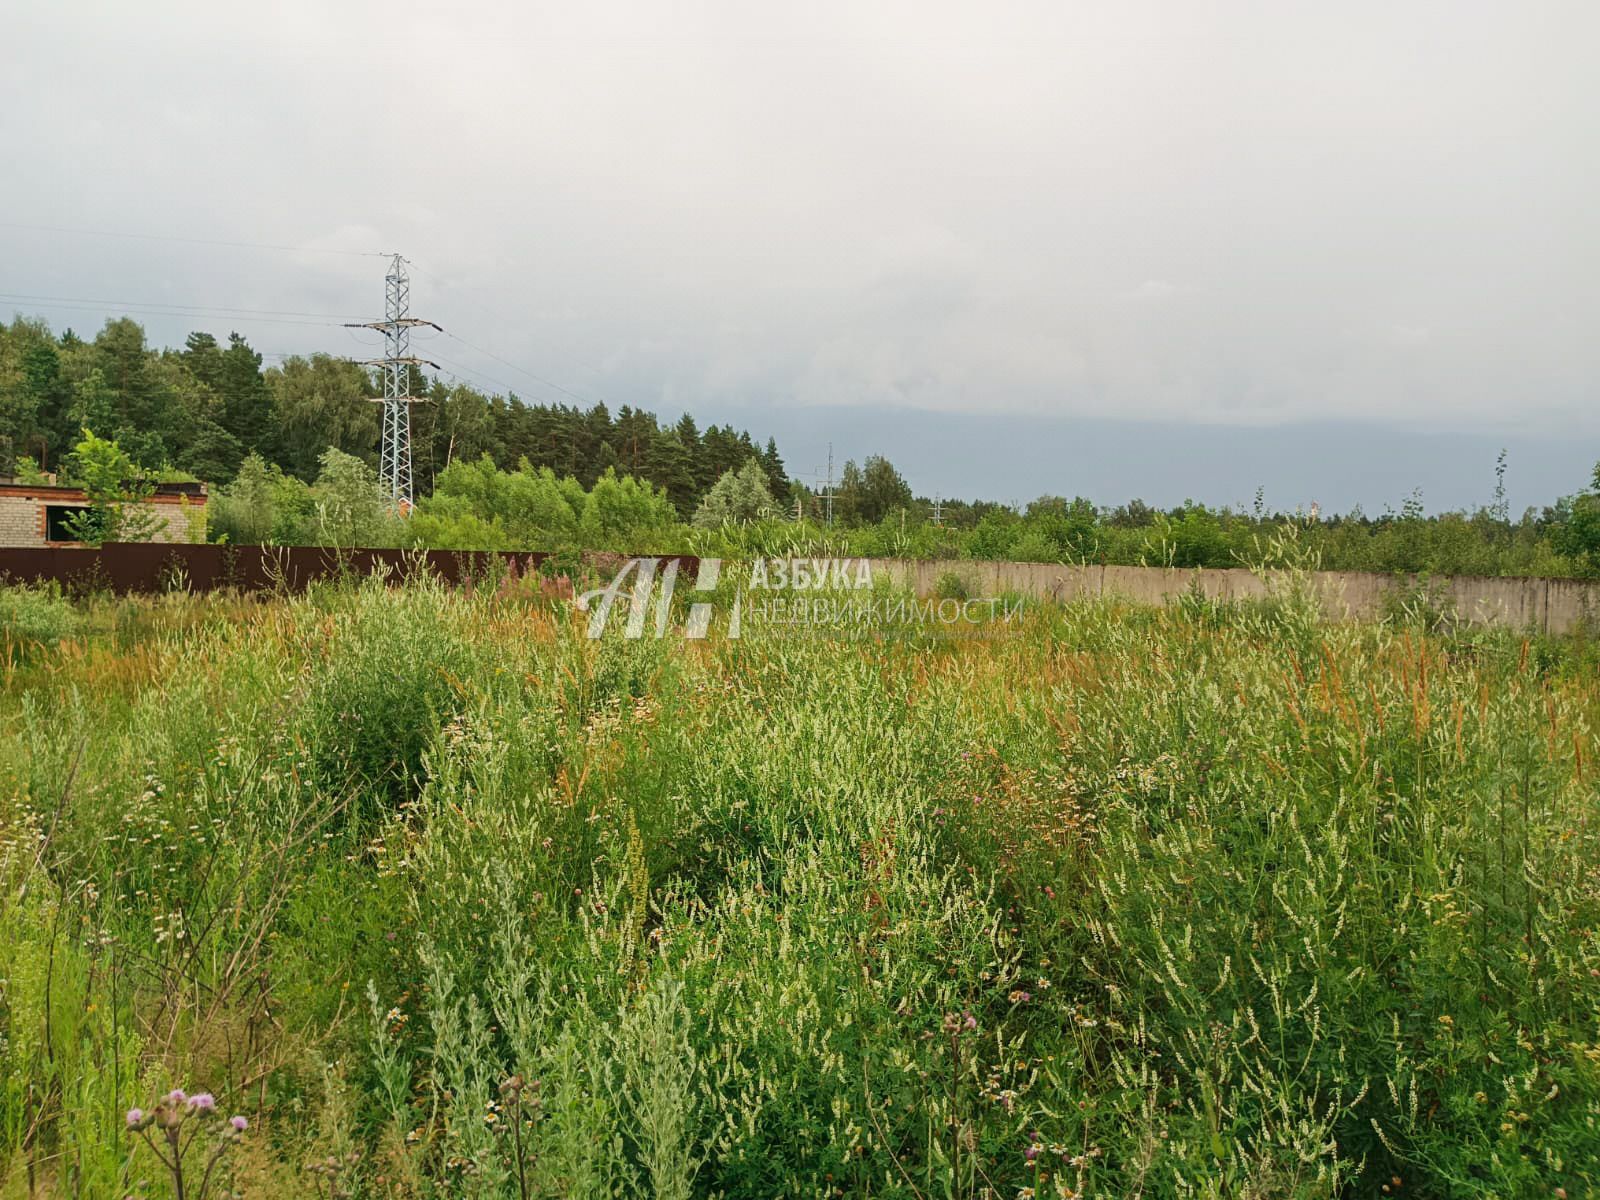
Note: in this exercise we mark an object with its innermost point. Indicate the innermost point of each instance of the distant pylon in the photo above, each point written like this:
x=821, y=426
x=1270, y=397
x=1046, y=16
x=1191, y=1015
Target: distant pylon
x=830, y=483
x=394, y=459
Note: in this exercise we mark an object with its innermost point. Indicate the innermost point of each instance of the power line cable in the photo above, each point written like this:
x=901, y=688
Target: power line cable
x=168, y=237
x=161, y=308
x=211, y=309
x=441, y=282
x=505, y=388
x=276, y=316
x=485, y=312
x=523, y=370
x=210, y=317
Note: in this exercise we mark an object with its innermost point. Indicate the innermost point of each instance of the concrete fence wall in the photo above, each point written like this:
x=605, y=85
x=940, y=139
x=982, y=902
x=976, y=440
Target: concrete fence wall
x=1546, y=605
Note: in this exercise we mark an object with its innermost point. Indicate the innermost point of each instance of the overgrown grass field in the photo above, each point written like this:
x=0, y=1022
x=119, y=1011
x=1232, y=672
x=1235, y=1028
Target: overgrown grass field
x=447, y=900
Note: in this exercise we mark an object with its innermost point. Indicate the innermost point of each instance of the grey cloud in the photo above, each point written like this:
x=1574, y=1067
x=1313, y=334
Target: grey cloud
x=1234, y=213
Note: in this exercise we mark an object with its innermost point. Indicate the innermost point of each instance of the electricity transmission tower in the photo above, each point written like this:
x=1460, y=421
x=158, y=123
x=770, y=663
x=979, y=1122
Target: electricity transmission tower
x=830, y=483
x=825, y=499
x=394, y=463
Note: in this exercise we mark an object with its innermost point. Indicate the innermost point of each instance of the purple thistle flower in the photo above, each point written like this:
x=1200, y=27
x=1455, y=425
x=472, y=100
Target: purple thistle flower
x=239, y=1124
x=203, y=1102
x=135, y=1115
x=176, y=1096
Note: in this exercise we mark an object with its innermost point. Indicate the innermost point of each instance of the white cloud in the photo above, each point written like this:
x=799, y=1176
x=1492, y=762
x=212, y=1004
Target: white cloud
x=1235, y=214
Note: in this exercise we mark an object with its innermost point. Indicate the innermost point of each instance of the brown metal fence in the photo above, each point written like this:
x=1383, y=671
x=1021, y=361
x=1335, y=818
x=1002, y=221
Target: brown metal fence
x=156, y=567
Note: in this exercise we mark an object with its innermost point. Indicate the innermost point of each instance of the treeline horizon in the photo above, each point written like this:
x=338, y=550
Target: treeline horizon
x=205, y=410
x=200, y=411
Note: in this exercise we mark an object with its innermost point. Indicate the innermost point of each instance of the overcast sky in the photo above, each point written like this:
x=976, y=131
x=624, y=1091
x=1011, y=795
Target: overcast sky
x=837, y=215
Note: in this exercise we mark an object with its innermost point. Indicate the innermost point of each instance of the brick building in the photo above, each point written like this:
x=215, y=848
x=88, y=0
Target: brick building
x=35, y=514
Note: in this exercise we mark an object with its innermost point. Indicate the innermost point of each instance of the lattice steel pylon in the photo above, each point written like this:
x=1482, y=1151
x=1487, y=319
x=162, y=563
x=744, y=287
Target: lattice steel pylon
x=394, y=460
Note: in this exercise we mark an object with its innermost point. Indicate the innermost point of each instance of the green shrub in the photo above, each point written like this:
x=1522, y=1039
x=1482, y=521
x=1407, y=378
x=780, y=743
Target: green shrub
x=389, y=674
x=33, y=618
x=952, y=585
